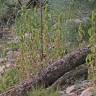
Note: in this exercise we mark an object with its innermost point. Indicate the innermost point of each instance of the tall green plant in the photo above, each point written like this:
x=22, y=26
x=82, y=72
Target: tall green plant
x=91, y=59
x=81, y=35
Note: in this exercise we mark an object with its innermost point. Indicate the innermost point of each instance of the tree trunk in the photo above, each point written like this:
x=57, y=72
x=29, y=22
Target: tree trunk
x=69, y=78
x=50, y=74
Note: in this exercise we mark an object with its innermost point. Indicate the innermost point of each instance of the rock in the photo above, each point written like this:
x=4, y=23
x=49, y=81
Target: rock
x=63, y=93
x=87, y=92
x=8, y=65
x=70, y=89
x=72, y=94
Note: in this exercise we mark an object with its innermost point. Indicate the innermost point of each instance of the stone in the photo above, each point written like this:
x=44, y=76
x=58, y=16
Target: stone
x=87, y=92
x=70, y=89
x=72, y=94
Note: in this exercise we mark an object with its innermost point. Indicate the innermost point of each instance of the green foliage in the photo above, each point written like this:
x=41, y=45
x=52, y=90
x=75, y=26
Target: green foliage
x=43, y=92
x=91, y=59
x=2, y=7
x=81, y=35
x=9, y=79
x=60, y=34
x=58, y=37
x=28, y=28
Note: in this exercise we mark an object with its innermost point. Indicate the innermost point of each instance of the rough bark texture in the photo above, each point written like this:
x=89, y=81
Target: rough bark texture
x=70, y=78
x=49, y=75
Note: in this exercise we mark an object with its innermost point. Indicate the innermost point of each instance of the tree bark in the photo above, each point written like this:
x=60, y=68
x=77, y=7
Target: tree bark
x=69, y=78
x=50, y=74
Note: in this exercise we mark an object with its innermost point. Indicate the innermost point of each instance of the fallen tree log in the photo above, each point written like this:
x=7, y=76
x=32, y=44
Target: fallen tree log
x=70, y=78
x=50, y=74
